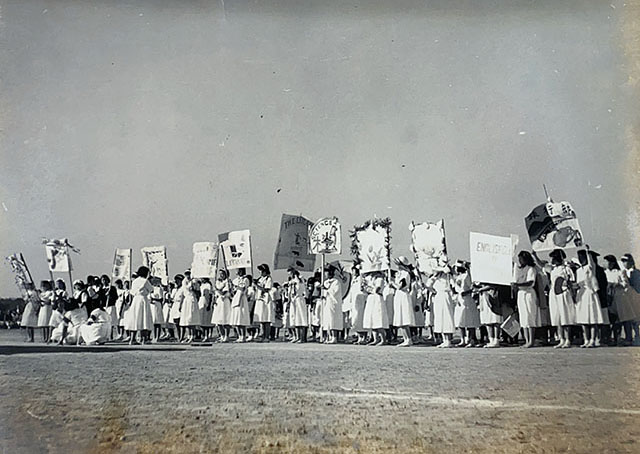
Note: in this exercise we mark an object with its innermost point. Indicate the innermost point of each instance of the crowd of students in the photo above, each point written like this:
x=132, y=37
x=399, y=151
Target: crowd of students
x=557, y=302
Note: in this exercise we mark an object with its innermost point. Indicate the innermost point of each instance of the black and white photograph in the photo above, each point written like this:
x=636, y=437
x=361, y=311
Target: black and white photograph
x=319, y=227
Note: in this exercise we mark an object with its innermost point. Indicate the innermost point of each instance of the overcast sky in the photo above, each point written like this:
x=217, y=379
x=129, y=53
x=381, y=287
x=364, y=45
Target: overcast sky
x=130, y=125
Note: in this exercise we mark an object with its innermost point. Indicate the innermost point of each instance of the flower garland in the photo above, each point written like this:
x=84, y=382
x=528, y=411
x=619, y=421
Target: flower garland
x=376, y=224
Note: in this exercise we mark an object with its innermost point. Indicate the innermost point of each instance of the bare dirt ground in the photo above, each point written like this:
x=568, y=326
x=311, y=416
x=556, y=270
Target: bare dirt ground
x=282, y=398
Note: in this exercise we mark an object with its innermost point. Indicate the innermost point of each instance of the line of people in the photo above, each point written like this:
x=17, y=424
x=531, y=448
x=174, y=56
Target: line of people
x=555, y=301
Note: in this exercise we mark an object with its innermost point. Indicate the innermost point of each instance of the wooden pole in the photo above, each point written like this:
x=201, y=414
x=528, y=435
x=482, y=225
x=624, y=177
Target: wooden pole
x=26, y=268
x=115, y=254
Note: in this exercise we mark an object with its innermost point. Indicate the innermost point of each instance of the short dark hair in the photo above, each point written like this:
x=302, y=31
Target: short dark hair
x=527, y=258
x=143, y=271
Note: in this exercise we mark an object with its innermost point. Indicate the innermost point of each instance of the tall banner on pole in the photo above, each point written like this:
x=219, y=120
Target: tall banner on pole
x=205, y=259
x=553, y=226
x=58, y=254
x=155, y=258
x=491, y=258
x=325, y=237
x=22, y=276
x=121, y=265
x=371, y=245
x=428, y=244
x=293, y=244
x=236, y=249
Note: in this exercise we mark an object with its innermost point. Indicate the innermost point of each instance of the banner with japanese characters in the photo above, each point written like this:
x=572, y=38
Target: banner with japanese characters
x=57, y=251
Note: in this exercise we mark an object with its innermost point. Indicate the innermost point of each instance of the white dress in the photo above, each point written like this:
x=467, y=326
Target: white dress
x=588, y=310
x=528, y=309
x=443, y=304
x=139, y=315
x=417, y=297
x=358, y=300
x=332, y=308
x=239, y=304
x=487, y=316
x=297, y=293
x=466, y=314
x=157, y=317
x=375, y=310
x=190, y=313
x=99, y=330
x=562, y=307
x=403, y=314
x=177, y=297
x=30, y=313
x=44, y=314
x=56, y=322
x=222, y=311
x=205, y=305
x=263, y=310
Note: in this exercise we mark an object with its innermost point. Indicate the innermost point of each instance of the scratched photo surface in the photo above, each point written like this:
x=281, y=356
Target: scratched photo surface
x=140, y=124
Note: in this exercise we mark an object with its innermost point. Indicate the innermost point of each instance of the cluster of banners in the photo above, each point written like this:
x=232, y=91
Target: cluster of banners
x=553, y=225
x=429, y=245
x=155, y=258
x=549, y=226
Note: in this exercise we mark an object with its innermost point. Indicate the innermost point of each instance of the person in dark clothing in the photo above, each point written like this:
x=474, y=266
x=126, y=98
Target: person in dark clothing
x=601, y=277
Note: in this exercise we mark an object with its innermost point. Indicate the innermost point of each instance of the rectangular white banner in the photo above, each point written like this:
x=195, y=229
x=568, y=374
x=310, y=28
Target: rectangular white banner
x=491, y=258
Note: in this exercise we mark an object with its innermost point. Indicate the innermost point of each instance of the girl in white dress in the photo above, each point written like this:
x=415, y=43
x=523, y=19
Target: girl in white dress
x=466, y=314
x=298, y=300
x=125, y=313
x=240, y=305
x=156, y=299
x=403, y=313
x=562, y=308
x=332, y=321
x=358, y=301
x=388, y=295
x=189, y=312
x=588, y=311
x=29, y=319
x=263, y=311
x=119, y=308
x=222, y=310
x=75, y=314
x=376, y=318
x=205, y=303
x=177, y=297
x=47, y=296
x=139, y=318
x=489, y=316
x=440, y=286
x=528, y=308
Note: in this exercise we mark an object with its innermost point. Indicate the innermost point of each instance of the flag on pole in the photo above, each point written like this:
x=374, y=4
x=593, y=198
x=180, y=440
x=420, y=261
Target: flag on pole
x=553, y=226
x=293, y=244
x=236, y=249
